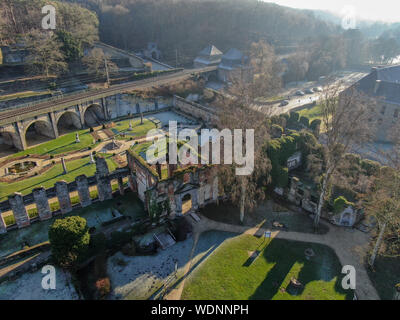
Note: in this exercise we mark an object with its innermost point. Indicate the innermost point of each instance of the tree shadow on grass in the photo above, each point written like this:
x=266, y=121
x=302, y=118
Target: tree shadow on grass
x=324, y=266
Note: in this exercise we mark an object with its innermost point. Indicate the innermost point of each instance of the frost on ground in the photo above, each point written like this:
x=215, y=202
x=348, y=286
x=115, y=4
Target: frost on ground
x=140, y=276
x=137, y=278
x=29, y=287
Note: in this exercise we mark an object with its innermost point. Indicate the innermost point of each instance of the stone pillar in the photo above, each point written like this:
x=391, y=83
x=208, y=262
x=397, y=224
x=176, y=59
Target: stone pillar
x=63, y=197
x=19, y=210
x=53, y=124
x=83, y=190
x=159, y=170
x=178, y=205
x=107, y=116
x=215, y=189
x=195, y=203
x=293, y=191
x=64, y=166
x=81, y=111
x=42, y=203
x=101, y=166
x=3, y=228
x=121, y=186
x=104, y=188
x=21, y=136
x=103, y=182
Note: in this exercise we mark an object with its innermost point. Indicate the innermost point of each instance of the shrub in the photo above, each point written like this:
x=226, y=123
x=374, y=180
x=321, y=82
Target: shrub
x=277, y=131
x=315, y=124
x=103, y=287
x=340, y=204
x=371, y=168
x=129, y=249
x=69, y=239
x=305, y=121
x=294, y=117
x=118, y=239
x=283, y=178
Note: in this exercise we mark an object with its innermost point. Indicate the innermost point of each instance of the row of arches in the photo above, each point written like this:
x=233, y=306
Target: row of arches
x=40, y=131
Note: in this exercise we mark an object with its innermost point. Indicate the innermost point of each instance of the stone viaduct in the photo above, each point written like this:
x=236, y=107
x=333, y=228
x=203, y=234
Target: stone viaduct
x=50, y=119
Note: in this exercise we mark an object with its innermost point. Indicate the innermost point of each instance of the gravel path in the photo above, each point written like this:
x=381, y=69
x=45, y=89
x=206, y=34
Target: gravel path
x=29, y=287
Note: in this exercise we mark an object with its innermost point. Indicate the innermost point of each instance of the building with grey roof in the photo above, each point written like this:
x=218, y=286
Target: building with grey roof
x=232, y=62
x=383, y=83
x=209, y=56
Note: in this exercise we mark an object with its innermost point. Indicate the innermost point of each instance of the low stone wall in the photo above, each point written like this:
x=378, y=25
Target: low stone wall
x=195, y=110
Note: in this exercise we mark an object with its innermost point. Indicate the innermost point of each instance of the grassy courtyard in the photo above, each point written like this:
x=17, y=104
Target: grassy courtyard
x=50, y=177
x=269, y=275
x=138, y=129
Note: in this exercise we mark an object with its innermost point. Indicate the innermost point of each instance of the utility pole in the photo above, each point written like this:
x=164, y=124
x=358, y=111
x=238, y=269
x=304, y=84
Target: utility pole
x=108, y=75
x=176, y=58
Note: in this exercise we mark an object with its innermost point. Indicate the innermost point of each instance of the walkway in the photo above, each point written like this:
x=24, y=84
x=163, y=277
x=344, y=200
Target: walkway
x=349, y=246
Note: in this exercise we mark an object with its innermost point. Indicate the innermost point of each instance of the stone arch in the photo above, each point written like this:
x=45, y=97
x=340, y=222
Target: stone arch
x=38, y=131
x=94, y=115
x=68, y=121
x=9, y=141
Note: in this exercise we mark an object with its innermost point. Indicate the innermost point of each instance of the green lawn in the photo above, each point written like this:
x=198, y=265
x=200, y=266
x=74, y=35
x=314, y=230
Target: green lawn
x=66, y=143
x=137, y=128
x=313, y=113
x=50, y=177
x=230, y=274
x=63, y=144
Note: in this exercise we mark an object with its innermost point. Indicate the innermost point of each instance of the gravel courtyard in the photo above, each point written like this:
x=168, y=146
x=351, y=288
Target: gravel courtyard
x=29, y=287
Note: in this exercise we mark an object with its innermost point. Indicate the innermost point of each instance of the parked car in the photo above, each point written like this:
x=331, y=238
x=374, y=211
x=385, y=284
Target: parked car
x=300, y=93
x=284, y=103
x=318, y=89
x=309, y=91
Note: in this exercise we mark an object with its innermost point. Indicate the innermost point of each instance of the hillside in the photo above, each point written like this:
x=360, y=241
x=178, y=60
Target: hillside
x=190, y=25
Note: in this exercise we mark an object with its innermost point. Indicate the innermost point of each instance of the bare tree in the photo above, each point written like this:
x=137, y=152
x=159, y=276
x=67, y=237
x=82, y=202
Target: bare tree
x=347, y=124
x=45, y=55
x=260, y=77
x=383, y=205
x=99, y=63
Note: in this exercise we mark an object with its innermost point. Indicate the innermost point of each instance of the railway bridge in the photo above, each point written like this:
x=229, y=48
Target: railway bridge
x=50, y=118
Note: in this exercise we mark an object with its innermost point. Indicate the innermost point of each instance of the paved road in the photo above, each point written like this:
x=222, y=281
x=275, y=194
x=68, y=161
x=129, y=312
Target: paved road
x=345, y=79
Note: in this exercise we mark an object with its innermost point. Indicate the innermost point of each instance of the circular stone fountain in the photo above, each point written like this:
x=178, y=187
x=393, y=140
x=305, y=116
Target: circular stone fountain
x=22, y=167
x=114, y=145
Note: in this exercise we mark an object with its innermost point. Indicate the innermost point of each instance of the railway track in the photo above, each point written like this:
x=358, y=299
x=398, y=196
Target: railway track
x=8, y=114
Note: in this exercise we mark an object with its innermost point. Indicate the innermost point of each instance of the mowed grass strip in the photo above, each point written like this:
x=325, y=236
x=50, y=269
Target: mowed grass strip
x=63, y=144
x=50, y=177
x=312, y=113
x=138, y=129
x=230, y=273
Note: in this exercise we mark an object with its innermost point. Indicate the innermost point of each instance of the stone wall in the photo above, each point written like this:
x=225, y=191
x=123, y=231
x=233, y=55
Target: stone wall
x=17, y=203
x=195, y=110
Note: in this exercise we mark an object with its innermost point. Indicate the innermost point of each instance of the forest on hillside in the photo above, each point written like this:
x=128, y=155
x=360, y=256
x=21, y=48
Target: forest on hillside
x=181, y=28
x=190, y=25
